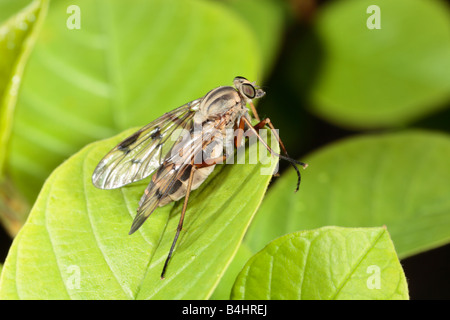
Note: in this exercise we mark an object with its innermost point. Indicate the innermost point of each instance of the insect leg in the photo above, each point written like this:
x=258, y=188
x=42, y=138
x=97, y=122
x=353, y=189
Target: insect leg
x=293, y=162
x=240, y=133
x=255, y=114
x=212, y=162
x=180, y=223
x=267, y=121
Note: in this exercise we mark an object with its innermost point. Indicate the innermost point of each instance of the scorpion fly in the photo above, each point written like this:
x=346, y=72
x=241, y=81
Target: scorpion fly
x=182, y=164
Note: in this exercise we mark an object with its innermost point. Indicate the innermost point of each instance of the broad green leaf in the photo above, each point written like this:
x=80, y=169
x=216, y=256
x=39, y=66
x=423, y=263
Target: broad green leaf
x=382, y=77
x=129, y=62
x=17, y=36
x=327, y=263
x=75, y=243
x=8, y=8
x=267, y=19
x=400, y=180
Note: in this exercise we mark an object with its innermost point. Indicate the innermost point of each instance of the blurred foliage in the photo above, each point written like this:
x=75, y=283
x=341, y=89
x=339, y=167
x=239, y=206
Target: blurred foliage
x=387, y=77
x=395, y=179
x=17, y=36
x=327, y=77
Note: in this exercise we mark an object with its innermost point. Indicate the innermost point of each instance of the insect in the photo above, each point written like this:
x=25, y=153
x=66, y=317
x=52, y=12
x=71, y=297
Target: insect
x=181, y=160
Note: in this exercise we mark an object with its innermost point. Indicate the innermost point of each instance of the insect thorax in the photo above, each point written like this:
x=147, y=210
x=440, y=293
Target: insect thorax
x=218, y=101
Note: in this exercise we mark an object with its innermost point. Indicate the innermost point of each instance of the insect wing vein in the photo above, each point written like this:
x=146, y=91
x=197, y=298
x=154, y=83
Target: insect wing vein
x=165, y=178
x=140, y=154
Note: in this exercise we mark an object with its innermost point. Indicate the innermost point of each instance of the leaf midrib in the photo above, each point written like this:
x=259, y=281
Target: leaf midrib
x=358, y=263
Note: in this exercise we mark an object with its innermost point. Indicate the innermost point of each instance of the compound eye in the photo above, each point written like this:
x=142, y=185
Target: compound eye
x=248, y=90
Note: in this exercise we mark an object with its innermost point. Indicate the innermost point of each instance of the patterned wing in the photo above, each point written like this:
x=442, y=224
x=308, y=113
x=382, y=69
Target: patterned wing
x=166, y=182
x=171, y=175
x=140, y=154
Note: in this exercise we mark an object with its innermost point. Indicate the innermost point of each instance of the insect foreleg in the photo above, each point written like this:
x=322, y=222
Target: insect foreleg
x=293, y=162
x=255, y=114
x=267, y=121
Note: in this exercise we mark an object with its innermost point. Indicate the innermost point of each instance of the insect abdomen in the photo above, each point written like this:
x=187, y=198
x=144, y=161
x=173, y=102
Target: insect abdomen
x=178, y=189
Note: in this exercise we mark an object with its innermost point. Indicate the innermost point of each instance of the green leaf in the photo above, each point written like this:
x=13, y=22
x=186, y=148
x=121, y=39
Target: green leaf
x=398, y=179
x=267, y=19
x=8, y=8
x=17, y=36
x=127, y=64
x=382, y=77
x=76, y=230
x=327, y=263
x=223, y=289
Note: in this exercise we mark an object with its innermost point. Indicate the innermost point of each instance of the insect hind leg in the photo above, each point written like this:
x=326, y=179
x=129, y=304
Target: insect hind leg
x=180, y=223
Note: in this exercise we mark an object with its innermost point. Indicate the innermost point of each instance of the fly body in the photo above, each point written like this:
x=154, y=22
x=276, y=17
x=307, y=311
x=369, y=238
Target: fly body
x=182, y=147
